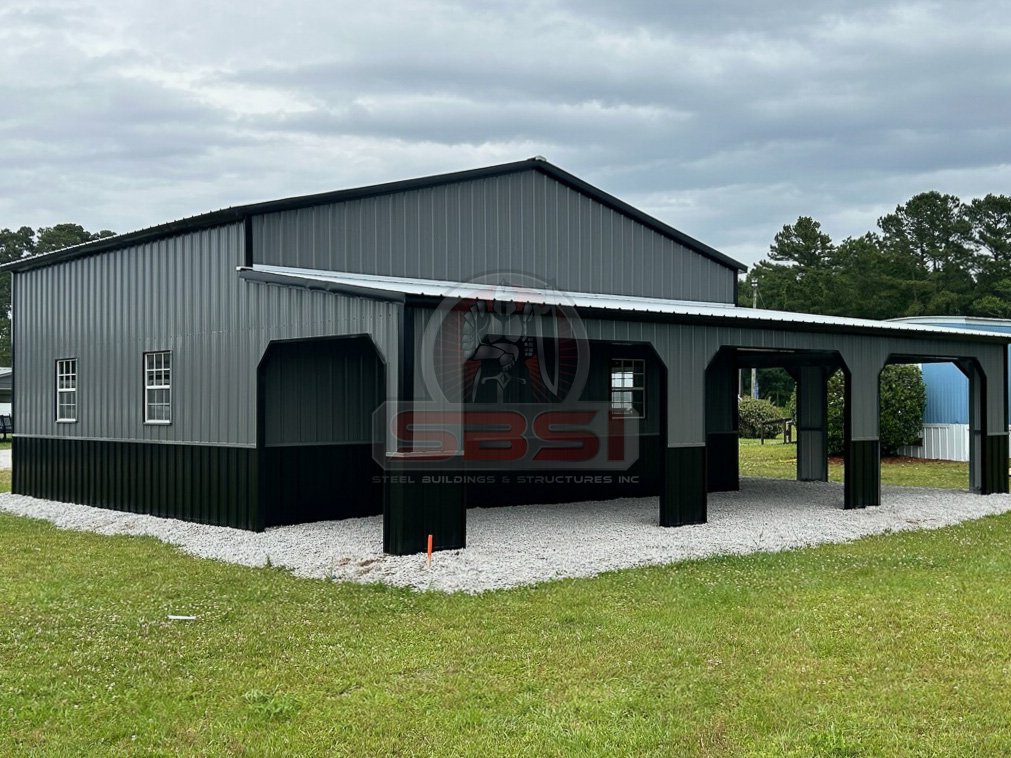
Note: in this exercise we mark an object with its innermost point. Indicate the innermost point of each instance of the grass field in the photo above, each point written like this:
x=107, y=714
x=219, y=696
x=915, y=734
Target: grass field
x=778, y=461
x=893, y=645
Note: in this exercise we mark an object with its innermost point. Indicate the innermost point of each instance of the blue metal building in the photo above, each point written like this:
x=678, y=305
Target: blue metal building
x=946, y=417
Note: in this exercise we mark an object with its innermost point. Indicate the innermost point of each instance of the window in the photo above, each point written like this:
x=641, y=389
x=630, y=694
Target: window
x=66, y=390
x=628, y=386
x=158, y=388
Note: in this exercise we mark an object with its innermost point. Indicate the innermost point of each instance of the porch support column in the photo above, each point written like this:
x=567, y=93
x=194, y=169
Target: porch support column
x=977, y=422
x=812, y=424
x=417, y=503
x=988, y=453
x=683, y=497
x=419, y=498
x=683, y=492
x=722, y=436
x=862, y=485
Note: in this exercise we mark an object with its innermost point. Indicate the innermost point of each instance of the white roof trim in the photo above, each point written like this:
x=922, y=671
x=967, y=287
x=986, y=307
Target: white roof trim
x=960, y=320
x=439, y=288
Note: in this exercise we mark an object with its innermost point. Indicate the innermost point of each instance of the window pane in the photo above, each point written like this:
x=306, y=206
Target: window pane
x=157, y=383
x=66, y=389
x=628, y=383
x=67, y=406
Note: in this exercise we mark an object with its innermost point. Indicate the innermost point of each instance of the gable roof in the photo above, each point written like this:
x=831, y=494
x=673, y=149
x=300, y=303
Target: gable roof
x=240, y=213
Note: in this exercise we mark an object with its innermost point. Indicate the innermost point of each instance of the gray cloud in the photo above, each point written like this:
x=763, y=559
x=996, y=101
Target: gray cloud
x=726, y=119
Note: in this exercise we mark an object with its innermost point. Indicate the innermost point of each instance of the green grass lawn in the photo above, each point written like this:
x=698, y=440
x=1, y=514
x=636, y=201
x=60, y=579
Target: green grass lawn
x=775, y=460
x=891, y=645
x=894, y=645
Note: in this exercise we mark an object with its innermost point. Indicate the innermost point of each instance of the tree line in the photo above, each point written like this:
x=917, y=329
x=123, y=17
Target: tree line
x=934, y=255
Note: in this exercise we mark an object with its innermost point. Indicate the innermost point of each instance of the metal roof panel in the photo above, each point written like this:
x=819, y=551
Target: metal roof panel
x=441, y=289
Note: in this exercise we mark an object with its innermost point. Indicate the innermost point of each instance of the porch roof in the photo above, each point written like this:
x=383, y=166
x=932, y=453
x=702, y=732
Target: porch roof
x=398, y=288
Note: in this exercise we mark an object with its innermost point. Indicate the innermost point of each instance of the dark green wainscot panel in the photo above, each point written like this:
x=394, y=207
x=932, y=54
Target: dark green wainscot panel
x=418, y=503
x=723, y=462
x=995, y=464
x=207, y=484
x=303, y=483
x=683, y=496
x=863, y=474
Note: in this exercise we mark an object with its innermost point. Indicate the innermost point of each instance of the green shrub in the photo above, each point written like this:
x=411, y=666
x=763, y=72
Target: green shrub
x=756, y=414
x=836, y=413
x=903, y=398
x=903, y=401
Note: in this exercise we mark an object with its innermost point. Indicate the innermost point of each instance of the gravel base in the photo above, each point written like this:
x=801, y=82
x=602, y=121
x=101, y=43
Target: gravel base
x=522, y=545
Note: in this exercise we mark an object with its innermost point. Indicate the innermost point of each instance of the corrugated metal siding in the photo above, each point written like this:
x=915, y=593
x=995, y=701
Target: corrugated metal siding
x=947, y=395
x=947, y=387
x=945, y=442
x=183, y=294
x=180, y=294
x=393, y=287
x=812, y=442
x=210, y=485
x=688, y=348
x=320, y=392
x=598, y=379
x=319, y=483
x=525, y=223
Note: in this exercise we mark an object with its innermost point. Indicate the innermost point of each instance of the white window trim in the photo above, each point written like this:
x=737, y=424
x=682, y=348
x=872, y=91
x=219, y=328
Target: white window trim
x=61, y=391
x=635, y=366
x=149, y=387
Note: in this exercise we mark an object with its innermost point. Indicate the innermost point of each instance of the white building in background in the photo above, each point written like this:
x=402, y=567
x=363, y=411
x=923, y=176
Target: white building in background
x=6, y=387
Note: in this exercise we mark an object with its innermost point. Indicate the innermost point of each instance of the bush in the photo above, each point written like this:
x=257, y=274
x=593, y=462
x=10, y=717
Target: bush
x=836, y=414
x=903, y=400
x=754, y=414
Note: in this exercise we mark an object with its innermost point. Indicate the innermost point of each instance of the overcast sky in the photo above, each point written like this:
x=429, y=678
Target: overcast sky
x=725, y=118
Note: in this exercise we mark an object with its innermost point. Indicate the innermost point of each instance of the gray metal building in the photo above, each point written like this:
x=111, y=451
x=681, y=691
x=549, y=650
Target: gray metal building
x=226, y=368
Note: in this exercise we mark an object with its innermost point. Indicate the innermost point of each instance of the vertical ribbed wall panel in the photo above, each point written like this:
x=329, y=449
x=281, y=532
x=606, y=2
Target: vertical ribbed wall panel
x=862, y=484
x=946, y=442
x=995, y=464
x=687, y=350
x=180, y=294
x=526, y=223
x=212, y=485
x=320, y=392
x=947, y=394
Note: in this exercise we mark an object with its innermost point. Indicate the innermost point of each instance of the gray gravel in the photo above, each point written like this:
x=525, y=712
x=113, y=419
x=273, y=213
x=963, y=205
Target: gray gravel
x=509, y=547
